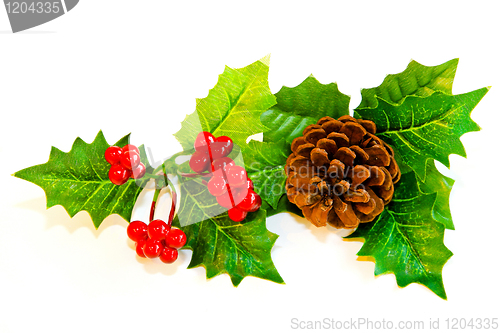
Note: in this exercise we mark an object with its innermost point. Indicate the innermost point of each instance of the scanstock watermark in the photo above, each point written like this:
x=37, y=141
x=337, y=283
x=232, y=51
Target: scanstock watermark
x=364, y=323
x=26, y=14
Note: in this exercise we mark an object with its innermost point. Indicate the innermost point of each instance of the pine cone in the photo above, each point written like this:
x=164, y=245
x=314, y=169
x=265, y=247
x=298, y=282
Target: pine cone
x=340, y=172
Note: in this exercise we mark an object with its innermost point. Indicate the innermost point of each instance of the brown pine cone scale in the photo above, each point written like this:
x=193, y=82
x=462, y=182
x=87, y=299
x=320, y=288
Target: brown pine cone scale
x=340, y=172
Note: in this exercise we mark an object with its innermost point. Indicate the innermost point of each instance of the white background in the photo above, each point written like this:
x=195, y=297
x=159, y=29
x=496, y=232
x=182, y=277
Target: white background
x=137, y=66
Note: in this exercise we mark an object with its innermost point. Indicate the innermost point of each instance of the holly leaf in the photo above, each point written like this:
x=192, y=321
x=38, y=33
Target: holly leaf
x=435, y=182
x=301, y=106
x=406, y=240
x=284, y=205
x=265, y=165
x=78, y=181
x=233, y=107
x=415, y=80
x=221, y=245
x=426, y=128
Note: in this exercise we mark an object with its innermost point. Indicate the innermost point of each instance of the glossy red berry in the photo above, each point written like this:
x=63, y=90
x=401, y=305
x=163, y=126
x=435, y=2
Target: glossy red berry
x=118, y=174
x=222, y=163
x=236, y=175
x=130, y=159
x=168, y=255
x=217, y=184
x=199, y=162
x=219, y=150
x=236, y=214
x=152, y=248
x=139, y=248
x=112, y=155
x=238, y=193
x=203, y=141
x=157, y=229
x=248, y=185
x=258, y=204
x=250, y=203
x=131, y=147
x=176, y=238
x=226, y=142
x=224, y=200
x=139, y=171
x=137, y=230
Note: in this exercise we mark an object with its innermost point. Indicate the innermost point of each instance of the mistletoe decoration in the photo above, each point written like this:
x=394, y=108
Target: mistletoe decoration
x=372, y=172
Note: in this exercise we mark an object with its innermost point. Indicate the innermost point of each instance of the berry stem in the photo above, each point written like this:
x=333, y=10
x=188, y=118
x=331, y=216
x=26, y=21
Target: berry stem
x=161, y=182
x=174, y=198
x=152, y=176
x=192, y=175
x=153, y=204
x=172, y=208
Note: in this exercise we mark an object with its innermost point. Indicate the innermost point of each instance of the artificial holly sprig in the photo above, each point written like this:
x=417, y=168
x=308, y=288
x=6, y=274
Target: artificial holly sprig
x=414, y=112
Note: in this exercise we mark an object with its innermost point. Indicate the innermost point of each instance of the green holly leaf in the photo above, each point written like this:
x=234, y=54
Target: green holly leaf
x=233, y=107
x=283, y=206
x=265, y=165
x=415, y=80
x=78, y=181
x=406, y=240
x=221, y=245
x=435, y=182
x=301, y=106
x=426, y=128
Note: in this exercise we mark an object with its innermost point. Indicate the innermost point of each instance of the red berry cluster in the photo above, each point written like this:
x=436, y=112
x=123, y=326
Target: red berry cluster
x=229, y=182
x=125, y=163
x=157, y=239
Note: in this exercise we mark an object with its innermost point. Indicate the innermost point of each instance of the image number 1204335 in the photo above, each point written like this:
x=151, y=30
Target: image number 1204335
x=26, y=14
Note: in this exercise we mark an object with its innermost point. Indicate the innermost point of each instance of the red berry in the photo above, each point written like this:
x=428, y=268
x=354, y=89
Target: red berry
x=248, y=184
x=139, y=248
x=203, y=141
x=158, y=230
x=227, y=142
x=118, y=174
x=169, y=255
x=236, y=175
x=236, y=214
x=219, y=150
x=139, y=171
x=199, y=162
x=152, y=248
x=176, y=238
x=217, y=184
x=222, y=163
x=250, y=203
x=112, y=155
x=239, y=193
x=225, y=201
x=257, y=204
x=130, y=159
x=137, y=230
x=131, y=147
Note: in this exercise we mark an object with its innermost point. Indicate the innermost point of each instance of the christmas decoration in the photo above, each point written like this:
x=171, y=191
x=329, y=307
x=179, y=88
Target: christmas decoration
x=371, y=171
